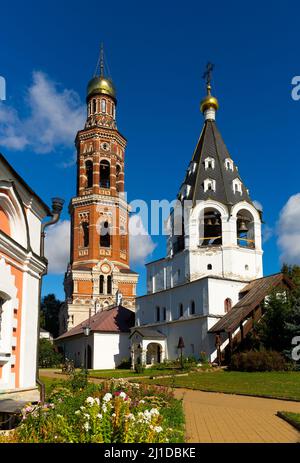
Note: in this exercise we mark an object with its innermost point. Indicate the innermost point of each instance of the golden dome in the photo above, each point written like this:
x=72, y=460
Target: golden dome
x=102, y=85
x=209, y=101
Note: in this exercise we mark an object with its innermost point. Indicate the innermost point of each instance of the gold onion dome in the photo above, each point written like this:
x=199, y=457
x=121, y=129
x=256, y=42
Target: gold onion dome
x=209, y=101
x=101, y=85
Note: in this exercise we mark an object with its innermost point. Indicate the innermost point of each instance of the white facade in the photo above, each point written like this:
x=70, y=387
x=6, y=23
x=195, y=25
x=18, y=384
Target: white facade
x=105, y=350
x=21, y=269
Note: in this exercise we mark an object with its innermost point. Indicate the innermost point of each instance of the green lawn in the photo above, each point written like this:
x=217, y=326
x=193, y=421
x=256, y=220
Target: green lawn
x=129, y=373
x=273, y=384
x=292, y=418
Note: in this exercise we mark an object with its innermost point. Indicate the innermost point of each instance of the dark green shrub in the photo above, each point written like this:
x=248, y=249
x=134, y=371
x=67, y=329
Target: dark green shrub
x=78, y=380
x=125, y=364
x=258, y=361
x=48, y=356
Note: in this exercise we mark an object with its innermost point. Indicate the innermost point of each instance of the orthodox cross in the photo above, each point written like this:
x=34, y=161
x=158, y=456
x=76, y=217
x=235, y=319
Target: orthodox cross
x=207, y=74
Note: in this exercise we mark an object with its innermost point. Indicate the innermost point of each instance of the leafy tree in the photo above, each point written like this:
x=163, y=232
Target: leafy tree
x=48, y=356
x=50, y=310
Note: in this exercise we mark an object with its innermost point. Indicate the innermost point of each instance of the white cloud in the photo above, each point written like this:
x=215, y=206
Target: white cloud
x=141, y=244
x=258, y=205
x=289, y=231
x=267, y=233
x=57, y=247
x=54, y=117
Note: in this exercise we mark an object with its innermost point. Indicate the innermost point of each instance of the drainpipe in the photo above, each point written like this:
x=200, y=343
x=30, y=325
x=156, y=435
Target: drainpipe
x=57, y=206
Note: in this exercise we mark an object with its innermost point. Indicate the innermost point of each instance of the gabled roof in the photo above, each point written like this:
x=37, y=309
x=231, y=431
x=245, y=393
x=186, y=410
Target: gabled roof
x=117, y=319
x=252, y=295
x=148, y=333
x=211, y=145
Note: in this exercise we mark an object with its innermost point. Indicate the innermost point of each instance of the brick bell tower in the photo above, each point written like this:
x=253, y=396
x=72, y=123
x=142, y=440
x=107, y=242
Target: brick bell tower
x=98, y=274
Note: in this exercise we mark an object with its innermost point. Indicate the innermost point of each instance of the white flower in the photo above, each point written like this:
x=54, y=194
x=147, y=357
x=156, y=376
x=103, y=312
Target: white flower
x=154, y=411
x=97, y=401
x=104, y=408
x=87, y=416
x=113, y=415
x=86, y=427
x=130, y=416
x=142, y=401
x=99, y=416
x=107, y=397
x=82, y=407
x=123, y=395
x=158, y=429
x=90, y=400
x=77, y=412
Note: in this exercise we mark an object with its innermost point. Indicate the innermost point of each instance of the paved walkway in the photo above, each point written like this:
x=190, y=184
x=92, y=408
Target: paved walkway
x=221, y=418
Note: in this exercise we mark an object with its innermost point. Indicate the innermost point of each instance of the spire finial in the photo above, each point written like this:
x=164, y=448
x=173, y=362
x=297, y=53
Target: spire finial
x=209, y=104
x=207, y=76
x=101, y=60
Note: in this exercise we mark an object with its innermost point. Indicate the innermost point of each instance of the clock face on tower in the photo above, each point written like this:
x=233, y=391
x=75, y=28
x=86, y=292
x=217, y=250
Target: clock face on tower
x=105, y=268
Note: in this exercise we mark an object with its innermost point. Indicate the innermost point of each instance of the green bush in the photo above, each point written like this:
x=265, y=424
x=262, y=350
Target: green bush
x=139, y=368
x=125, y=364
x=78, y=380
x=48, y=356
x=258, y=361
x=203, y=357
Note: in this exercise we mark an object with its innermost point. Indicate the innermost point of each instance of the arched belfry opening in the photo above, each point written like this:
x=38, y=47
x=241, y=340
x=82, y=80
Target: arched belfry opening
x=245, y=229
x=105, y=235
x=89, y=174
x=210, y=228
x=104, y=174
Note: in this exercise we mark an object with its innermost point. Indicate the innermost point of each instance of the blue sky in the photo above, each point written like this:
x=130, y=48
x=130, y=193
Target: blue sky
x=157, y=52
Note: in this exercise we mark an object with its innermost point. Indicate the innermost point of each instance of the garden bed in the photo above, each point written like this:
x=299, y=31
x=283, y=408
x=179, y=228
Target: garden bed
x=291, y=418
x=111, y=412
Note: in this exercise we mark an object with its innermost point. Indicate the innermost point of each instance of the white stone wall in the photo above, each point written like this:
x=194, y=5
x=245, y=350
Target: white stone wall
x=208, y=294
x=108, y=349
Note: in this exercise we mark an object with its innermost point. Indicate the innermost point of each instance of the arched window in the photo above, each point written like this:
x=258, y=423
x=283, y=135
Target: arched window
x=245, y=229
x=89, y=174
x=86, y=234
x=105, y=235
x=180, y=310
x=103, y=106
x=122, y=238
x=227, y=304
x=101, y=284
x=209, y=267
x=104, y=174
x=109, y=284
x=193, y=308
x=210, y=228
x=94, y=106
x=157, y=313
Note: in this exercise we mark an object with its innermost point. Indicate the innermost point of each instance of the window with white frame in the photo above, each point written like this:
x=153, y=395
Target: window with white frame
x=237, y=186
x=228, y=164
x=209, y=185
x=103, y=106
x=209, y=163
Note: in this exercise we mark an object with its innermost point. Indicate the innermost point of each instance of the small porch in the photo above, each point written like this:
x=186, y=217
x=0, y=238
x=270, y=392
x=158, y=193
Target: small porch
x=148, y=347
